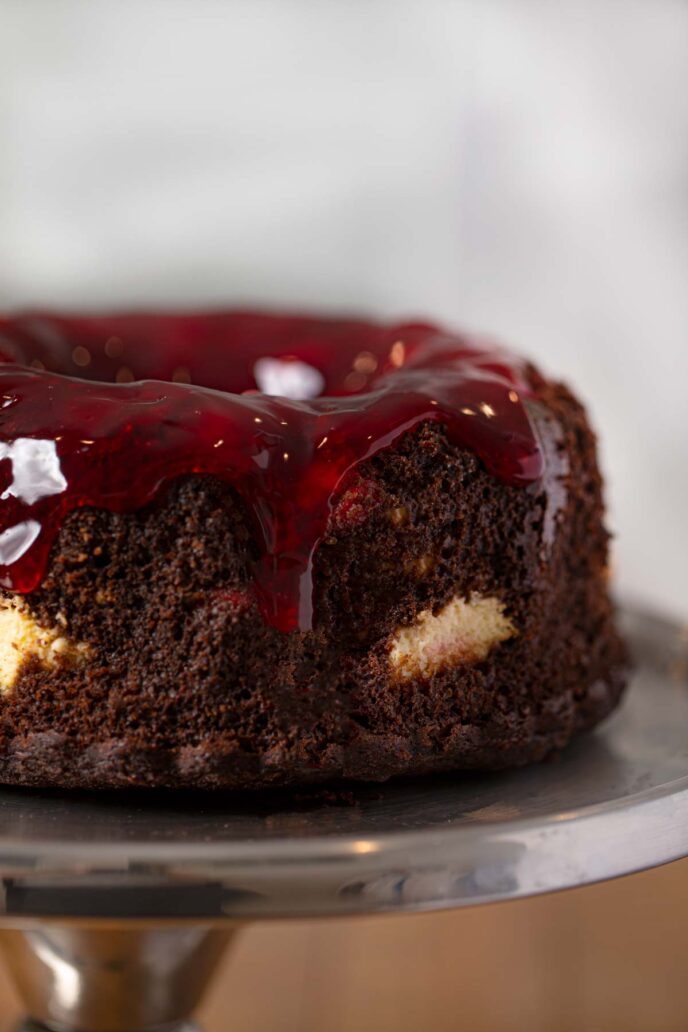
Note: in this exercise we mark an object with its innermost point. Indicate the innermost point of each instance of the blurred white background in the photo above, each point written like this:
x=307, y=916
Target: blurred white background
x=517, y=166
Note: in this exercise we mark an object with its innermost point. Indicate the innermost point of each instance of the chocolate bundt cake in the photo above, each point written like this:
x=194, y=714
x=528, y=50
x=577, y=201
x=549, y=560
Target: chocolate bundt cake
x=240, y=550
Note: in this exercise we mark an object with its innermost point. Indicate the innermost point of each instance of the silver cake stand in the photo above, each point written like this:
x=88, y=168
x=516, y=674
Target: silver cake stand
x=116, y=909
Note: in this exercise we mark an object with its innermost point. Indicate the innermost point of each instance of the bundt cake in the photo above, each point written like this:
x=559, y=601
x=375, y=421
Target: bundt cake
x=243, y=550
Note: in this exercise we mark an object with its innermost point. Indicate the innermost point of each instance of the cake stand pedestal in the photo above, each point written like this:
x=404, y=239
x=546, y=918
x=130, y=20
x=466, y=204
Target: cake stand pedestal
x=115, y=909
x=103, y=977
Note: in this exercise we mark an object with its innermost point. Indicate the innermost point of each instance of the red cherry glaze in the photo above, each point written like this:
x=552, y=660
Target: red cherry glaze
x=113, y=444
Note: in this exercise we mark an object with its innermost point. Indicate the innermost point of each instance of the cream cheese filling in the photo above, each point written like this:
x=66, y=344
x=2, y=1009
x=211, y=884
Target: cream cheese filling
x=22, y=638
x=462, y=632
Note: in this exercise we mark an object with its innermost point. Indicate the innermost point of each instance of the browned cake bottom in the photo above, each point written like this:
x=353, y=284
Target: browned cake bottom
x=461, y=623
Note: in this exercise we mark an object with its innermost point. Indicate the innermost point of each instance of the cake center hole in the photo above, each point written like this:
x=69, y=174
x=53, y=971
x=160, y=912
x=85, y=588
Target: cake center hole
x=232, y=354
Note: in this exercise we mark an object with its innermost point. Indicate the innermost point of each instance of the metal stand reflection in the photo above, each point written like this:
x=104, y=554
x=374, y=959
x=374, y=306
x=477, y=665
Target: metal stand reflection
x=104, y=978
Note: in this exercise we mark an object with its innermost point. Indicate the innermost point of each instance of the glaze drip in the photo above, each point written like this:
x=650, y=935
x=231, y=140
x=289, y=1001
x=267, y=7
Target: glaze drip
x=103, y=411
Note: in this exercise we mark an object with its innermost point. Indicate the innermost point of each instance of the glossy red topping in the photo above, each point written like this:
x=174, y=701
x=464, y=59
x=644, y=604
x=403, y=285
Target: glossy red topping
x=103, y=411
